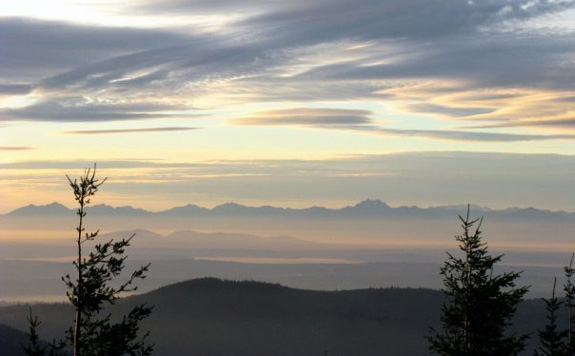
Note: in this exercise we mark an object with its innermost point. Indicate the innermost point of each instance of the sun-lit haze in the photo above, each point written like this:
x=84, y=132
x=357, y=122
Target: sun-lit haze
x=291, y=104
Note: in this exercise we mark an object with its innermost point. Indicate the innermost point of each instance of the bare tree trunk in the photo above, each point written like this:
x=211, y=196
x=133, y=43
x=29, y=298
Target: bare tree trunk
x=466, y=316
x=78, y=323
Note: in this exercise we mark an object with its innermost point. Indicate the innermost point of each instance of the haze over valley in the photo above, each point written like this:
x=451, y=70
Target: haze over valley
x=369, y=244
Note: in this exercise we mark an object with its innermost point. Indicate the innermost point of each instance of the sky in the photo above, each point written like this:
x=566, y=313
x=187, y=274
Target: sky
x=289, y=103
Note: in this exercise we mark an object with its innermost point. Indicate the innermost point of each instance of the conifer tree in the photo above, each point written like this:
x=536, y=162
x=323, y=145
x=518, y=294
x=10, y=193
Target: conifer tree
x=552, y=338
x=95, y=331
x=479, y=304
x=569, y=289
x=35, y=347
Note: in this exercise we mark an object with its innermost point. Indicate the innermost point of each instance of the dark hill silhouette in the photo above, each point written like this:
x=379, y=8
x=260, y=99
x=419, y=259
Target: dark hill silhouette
x=213, y=317
x=11, y=341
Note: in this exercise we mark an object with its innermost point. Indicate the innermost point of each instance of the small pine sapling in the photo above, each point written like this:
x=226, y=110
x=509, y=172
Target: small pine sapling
x=552, y=339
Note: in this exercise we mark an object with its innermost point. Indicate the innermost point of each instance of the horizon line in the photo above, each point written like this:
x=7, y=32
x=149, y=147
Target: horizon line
x=481, y=208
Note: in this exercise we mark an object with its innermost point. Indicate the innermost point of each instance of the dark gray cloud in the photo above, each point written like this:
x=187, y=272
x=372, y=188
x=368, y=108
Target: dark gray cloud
x=308, y=117
x=328, y=20
x=33, y=48
x=161, y=54
x=208, y=6
x=449, y=111
x=570, y=99
x=562, y=123
x=198, y=61
x=475, y=136
x=414, y=21
x=457, y=135
x=489, y=97
x=484, y=60
x=78, y=164
x=124, y=131
x=79, y=109
x=15, y=89
x=559, y=124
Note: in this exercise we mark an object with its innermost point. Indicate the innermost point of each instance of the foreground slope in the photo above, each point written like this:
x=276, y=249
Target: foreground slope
x=213, y=317
x=11, y=341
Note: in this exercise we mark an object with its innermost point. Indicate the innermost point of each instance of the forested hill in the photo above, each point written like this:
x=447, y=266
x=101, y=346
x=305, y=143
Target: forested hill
x=213, y=317
x=11, y=341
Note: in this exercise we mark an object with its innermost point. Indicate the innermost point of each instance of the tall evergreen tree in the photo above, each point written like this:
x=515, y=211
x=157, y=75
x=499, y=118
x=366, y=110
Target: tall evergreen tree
x=479, y=304
x=569, y=289
x=552, y=338
x=91, y=290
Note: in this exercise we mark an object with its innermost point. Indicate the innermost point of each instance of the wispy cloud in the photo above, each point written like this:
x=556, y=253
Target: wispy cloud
x=458, y=112
x=568, y=123
x=458, y=135
x=78, y=109
x=307, y=117
x=35, y=49
x=322, y=20
x=15, y=89
x=361, y=122
x=440, y=177
x=124, y=131
x=16, y=148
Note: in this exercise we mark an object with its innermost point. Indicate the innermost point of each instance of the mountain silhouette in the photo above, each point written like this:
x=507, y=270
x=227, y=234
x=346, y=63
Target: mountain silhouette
x=365, y=209
x=49, y=209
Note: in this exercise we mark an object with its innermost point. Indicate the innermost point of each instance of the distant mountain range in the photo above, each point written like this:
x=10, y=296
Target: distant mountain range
x=365, y=209
x=223, y=318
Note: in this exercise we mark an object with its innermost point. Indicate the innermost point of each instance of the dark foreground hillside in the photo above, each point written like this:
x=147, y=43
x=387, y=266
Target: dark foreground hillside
x=214, y=317
x=11, y=341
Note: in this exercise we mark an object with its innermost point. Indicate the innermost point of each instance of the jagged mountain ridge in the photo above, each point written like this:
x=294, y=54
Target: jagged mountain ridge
x=365, y=209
